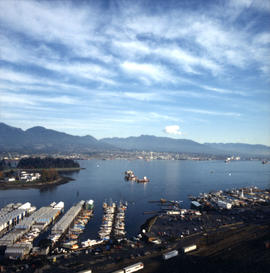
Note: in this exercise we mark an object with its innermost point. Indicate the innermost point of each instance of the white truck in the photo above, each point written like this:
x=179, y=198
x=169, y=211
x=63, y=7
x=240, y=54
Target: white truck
x=133, y=268
x=187, y=249
x=170, y=254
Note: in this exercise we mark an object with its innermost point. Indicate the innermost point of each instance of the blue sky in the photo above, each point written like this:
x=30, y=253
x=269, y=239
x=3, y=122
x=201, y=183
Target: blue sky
x=186, y=69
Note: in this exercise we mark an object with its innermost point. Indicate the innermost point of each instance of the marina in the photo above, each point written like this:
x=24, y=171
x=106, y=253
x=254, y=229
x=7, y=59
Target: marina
x=66, y=232
x=71, y=238
x=72, y=224
x=126, y=237
x=173, y=231
x=113, y=222
x=173, y=180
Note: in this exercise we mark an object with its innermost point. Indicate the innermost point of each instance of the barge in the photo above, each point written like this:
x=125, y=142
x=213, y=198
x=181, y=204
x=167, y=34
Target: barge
x=130, y=176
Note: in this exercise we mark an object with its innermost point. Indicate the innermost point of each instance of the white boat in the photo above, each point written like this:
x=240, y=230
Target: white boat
x=89, y=242
x=69, y=243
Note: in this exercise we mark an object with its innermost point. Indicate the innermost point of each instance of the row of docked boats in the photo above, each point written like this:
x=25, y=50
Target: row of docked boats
x=113, y=222
x=107, y=221
x=119, y=225
x=71, y=238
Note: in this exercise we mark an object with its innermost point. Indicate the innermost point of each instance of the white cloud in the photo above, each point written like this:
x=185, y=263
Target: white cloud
x=15, y=81
x=223, y=91
x=141, y=96
x=131, y=47
x=262, y=5
x=188, y=61
x=24, y=99
x=89, y=71
x=210, y=112
x=147, y=72
x=172, y=130
x=17, y=77
x=217, y=45
x=161, y=116
x=176, y=58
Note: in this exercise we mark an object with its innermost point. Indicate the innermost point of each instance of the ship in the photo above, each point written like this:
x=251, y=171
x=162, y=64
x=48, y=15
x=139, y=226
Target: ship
x=130, y=176
x=144, y=180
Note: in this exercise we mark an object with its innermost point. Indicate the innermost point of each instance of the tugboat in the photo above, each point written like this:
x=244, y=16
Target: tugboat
x=130, y=176
x=144, y=180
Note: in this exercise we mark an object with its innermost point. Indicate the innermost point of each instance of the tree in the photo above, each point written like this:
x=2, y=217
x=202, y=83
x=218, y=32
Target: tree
x=46, y=163
x=49, y=175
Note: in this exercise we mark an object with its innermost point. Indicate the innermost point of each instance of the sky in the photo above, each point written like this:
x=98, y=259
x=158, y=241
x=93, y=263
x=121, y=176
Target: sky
x=189, y=69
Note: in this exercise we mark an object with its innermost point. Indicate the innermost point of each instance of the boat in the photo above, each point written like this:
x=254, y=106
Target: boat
x=129, y=175
x=73, y=236
x=75, y=247
x=144, y=180
x=69, y=244
x=89, y=204
x=89, y=243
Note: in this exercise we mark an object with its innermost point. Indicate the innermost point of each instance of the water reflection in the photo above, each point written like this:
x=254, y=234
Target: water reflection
x=49, y=188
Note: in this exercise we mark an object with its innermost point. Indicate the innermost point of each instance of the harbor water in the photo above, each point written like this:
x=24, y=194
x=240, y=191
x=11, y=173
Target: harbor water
x=103, y=180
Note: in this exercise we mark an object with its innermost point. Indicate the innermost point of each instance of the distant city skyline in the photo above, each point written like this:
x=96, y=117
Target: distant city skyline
x=186, y=69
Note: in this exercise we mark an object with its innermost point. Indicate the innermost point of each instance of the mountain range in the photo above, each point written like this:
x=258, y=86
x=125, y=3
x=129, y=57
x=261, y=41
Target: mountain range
x=39, y=139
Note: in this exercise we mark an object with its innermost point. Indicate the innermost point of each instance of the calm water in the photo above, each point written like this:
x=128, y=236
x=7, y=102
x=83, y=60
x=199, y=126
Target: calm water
x=173, y=180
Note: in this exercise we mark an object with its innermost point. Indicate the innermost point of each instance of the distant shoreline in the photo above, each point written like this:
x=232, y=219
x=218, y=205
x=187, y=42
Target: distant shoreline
x=57, y=169
x=27, y=185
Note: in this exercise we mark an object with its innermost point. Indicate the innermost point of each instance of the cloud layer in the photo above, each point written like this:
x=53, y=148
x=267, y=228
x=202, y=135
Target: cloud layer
x=87, y=63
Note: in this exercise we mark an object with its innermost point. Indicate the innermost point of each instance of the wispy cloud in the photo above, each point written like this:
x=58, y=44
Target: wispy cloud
x=154, y=62
x=224, y=91
x=213, y=113
x=147, y=72
x=24, y=99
